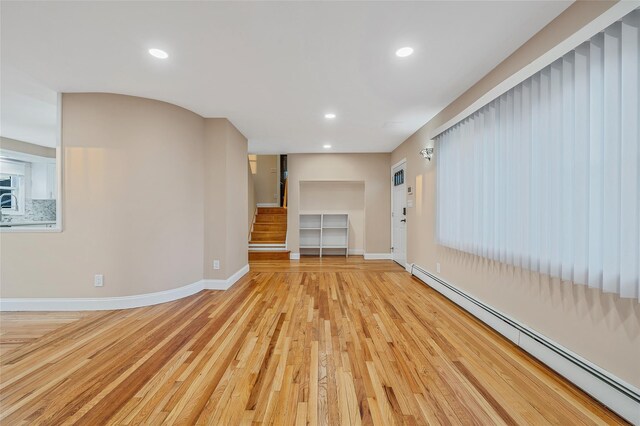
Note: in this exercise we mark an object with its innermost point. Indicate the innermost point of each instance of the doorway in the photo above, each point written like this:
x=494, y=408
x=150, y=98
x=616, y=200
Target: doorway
x=399, y=213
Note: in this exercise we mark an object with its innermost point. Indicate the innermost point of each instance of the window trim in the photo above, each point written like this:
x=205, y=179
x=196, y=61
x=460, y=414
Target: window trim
x=20, y=196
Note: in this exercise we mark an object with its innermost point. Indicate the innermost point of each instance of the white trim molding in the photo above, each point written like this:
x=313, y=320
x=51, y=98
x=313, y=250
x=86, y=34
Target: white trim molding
x=99, y=303
x=267, y=205
x=404, y=160
x=120, y=302
x=225, y=284
x=619, y=396
x=378, y=256
x=354, y=252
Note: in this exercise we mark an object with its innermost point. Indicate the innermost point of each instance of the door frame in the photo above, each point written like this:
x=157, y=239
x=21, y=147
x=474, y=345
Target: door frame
x=399, y=163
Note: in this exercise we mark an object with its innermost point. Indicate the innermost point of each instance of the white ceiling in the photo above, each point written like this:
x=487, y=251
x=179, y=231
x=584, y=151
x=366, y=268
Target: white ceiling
x=272, y=68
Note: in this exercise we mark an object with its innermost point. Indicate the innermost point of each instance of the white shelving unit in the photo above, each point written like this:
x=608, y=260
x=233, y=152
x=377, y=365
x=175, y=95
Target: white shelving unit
x=324, y=233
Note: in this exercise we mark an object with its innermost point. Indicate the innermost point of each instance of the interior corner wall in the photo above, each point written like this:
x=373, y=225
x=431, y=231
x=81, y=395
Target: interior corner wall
x=251, y=199
x=266, y=179
x=373, y=169
x=225, y=199
x=602, y=328
x=132, y=204
x=215, y=193
x=236, y=201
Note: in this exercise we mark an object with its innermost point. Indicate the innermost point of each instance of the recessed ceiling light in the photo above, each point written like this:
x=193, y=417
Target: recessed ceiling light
x=326, y=146
x=330, y=115
x=403, y=52
x=161, y=54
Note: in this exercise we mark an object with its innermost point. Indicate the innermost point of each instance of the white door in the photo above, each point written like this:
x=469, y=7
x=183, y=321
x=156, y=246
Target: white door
x=399, y=215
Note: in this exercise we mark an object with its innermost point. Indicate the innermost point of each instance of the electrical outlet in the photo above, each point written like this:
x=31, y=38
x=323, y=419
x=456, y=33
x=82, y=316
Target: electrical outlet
x=438, y=267
x=98, y=280
x=216, y=264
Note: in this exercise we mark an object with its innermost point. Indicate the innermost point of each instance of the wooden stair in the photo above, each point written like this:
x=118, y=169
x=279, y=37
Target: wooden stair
x=269, y=234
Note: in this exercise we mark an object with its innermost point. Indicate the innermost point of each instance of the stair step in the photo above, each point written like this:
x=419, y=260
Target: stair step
x=266, y=241
x=269, y=255
x=268, y=236
x=272, y=210
x=271, y=218
x=269, y=227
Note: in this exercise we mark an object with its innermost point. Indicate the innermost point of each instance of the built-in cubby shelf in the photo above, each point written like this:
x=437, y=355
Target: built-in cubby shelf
x=324, y=233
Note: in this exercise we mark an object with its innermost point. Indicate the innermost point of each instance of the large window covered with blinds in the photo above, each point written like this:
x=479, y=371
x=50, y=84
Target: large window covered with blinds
x=547, y=176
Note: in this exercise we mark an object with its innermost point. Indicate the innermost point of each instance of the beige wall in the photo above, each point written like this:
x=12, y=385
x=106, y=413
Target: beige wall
x=132, y=202
x=225, y=198
x=134, y=192
x=602, y=328
x=215, y=194
x=373, y=169
x=251, y=199
x=265, y=178
x=346, y=197
x=27, y=148
x=236, y=201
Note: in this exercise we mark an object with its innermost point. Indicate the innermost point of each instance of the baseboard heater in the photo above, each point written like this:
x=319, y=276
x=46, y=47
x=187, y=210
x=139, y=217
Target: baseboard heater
x=619, y=396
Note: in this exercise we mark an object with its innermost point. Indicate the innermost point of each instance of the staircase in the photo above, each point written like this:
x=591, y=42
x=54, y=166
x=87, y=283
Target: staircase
x=269, y=234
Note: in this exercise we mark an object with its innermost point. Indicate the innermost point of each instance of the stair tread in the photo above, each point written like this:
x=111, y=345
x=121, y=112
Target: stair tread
x=269, y=255
x=272, y=210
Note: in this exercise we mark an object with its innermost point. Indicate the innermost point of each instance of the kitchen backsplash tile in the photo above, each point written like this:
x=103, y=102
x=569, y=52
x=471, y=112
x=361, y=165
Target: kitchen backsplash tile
x=35, y=211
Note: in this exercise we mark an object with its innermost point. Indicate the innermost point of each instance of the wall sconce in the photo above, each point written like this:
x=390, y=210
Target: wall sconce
x=427, y=152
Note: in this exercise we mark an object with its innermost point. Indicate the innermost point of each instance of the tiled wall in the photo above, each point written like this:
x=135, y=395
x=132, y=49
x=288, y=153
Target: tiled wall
x=35, y=211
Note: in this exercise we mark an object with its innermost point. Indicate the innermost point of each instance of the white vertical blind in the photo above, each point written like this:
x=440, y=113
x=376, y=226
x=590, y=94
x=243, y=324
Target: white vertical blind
x=547, y=176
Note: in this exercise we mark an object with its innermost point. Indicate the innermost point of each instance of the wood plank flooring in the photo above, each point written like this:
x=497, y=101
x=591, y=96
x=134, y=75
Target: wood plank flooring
x=20, y=328
x=329, y=342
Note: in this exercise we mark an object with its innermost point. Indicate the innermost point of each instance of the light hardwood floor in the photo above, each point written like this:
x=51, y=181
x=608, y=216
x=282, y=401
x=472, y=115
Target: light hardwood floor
x=331, y=341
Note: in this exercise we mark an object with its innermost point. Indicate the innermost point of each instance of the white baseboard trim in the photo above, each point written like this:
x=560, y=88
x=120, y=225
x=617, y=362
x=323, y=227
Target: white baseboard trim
x=619, y=396
x=99, y=303
x=225, y=284
x=352, y=252
x=121, y=302
x=377, y=256
x=267, y=205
